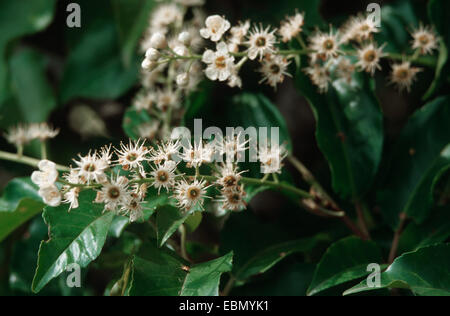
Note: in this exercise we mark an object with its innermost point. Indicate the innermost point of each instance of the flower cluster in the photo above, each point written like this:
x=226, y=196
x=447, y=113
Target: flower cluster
x=22, y=134
x=122, y=176
x=332, y=55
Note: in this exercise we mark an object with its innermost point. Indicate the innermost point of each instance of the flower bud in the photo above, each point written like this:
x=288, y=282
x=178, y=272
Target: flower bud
x=181, y=50
x=183, y=79
x=152, y=54
x=147, y=64
x=158, y=40
x=185, y=38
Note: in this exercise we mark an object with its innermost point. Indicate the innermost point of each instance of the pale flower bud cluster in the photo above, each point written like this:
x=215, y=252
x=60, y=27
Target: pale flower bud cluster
x=22, y=134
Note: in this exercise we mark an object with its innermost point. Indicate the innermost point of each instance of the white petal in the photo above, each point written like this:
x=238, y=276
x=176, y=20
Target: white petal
x=222, y=48
x=208, y=56
x=211, y=73
x=205, y=33
x=46, y=165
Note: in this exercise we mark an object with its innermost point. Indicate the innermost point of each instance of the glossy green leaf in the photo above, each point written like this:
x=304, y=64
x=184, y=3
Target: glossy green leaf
x=436, y=229
x=95, y=67
x=168, y=219
x=131, y=17
x=266, y=259
x=255, y=110
x=19, y=203
x=161, y=272
x=77, y=236
x=19, y=18
x=193, y=221
x=421, y=155
x=28, y=73
x=344, y=261
x=425, y=272
x=349, y=131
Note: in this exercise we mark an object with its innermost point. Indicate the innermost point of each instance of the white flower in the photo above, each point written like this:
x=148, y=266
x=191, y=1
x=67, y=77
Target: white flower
x=166, y=151
x=235, y=80
x=148, y=129
x=131, y=156
x=359, y=29
x=320, y=76
x=47, y=174
x=220, y=63
x=229, y=177
x=274, y=68
x=403, y=75
x=369, y=58
x=238, y=34
x=344, y=68
x=165, y=15
x=197, y=154
x=189, y=195
x=261, y=42
x=325, y=44
x=233, y=199
x=18, y=135
x=233, y=147
x=72, y=192
x=114, y=193
x=144, y=101
x=424, y=39
x=164, y=175
x=166, y=99
x=271, y=158
x=91, y=168
x=133, y=208
x=216, y=26
x=51, y=195
x=292, y=27
x=42, y=131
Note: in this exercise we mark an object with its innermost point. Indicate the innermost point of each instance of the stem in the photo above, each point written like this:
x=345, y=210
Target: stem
x=396, y=239
x=361, y=220
x=229, y=286
x=43, y=149
x=349, y=223
x=26, y=160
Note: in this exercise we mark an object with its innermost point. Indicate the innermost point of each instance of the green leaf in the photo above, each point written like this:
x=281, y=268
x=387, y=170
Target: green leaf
x=19, y=18
x=266, y=259
x=161, y=272
x=19, y=203
x=168, y=219
x=131, y=17
x=28, y=73
x=425, y=272
x=349, y=131
x=396, y=18
x=255, y=110
x=193, y=221
x=77, y=236
x=421, y=155
x=436, y=229
x=344, y=261
x=94, y=67
x=439, y=14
